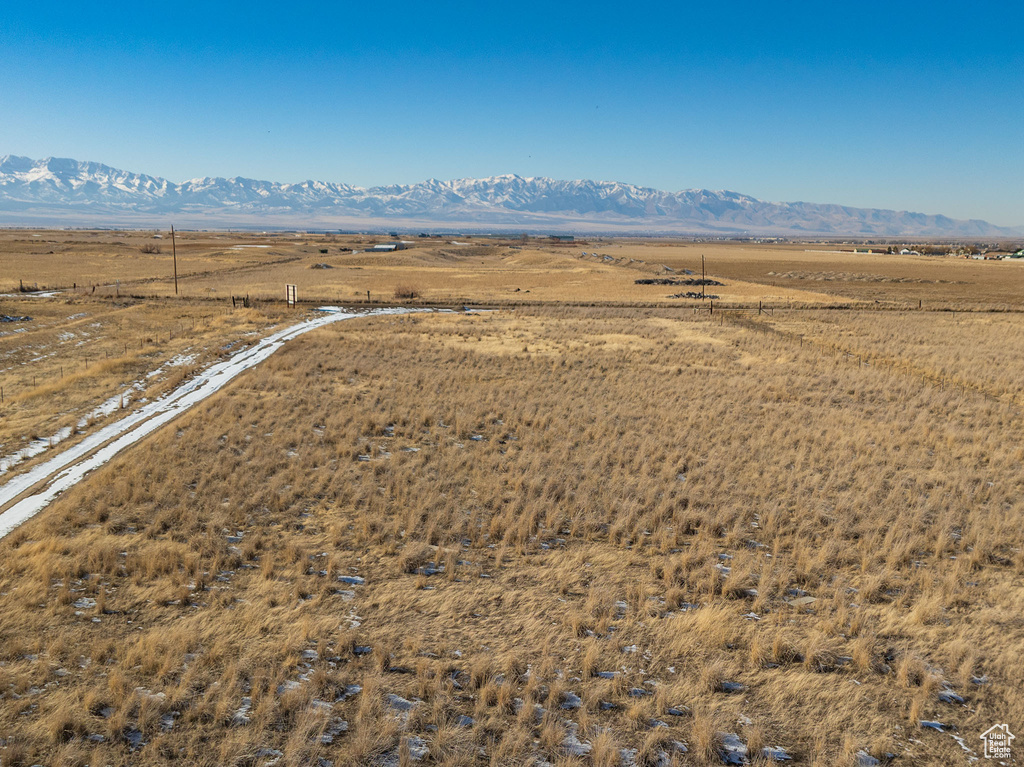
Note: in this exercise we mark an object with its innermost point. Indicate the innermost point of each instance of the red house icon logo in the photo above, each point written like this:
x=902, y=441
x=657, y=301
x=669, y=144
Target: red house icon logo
x=997, y=741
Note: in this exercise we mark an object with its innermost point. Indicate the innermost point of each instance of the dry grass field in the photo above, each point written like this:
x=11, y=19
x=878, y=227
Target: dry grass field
x=467, y=270
x=548, y=534
x=892, y=280
x=100, y=262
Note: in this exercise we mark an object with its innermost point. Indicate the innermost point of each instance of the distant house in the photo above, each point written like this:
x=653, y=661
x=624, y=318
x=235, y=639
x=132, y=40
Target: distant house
x=387, y=247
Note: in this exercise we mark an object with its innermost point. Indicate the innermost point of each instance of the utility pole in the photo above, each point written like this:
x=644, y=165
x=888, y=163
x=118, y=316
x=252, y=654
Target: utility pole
x=174, y=252
x=702, y=277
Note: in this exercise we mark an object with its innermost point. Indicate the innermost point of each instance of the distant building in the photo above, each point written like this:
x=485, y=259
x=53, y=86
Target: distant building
x=387, y=247
x=563, y=238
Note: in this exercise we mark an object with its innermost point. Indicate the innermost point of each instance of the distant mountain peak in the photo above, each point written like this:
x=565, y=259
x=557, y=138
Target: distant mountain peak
x=58, y=190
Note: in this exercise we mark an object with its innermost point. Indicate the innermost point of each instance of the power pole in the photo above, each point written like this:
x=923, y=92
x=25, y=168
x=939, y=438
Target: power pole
x=174, y=252
x=702, y=277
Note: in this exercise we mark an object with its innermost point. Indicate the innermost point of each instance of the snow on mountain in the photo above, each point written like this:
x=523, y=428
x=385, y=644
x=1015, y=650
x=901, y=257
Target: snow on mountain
x=56, y=189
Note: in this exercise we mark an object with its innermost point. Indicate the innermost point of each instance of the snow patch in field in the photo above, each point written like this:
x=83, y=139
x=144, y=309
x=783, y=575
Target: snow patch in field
x=177, y=361
x=948, y=696
x=398, y=703
x=333, y=730
x=270, y=755
x=134, y=738
x=776, y=754
x=34, y=448
x=572, y=744
x=571, y=700
x=241, y=716
x=417, y=748
x=971, y=755
x=734, y=751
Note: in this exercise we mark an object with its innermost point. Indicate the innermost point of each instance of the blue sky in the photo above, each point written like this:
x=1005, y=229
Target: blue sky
x=916, y=106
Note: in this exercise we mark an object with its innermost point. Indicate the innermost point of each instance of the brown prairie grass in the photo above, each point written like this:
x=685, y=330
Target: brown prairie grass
x=593, y=555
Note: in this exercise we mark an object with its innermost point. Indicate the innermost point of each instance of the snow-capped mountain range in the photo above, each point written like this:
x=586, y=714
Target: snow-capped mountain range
x=70, y=192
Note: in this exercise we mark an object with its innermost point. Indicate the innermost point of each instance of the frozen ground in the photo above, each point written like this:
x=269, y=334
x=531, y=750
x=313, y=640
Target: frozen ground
x=64, y=470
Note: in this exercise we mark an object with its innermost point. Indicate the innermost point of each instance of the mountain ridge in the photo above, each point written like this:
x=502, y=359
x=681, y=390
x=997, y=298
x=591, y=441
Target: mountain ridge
x=66, y=190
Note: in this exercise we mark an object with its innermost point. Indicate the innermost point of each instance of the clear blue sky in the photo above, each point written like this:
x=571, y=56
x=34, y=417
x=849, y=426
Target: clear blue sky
x=905, y=105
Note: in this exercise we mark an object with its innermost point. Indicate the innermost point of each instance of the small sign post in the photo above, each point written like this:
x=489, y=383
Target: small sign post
x=290, y=294
x=174, y=253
